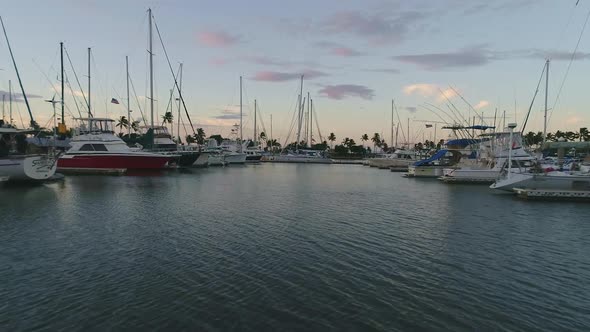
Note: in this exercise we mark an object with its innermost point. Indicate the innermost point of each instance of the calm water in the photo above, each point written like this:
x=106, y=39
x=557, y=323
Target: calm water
x=289, y=247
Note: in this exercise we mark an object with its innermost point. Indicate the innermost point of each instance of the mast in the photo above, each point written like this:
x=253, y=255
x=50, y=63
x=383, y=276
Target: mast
x=392, y=104
x=311, y=124
x=61, y=50
x=179, y=89
x=271, y=142
x=241, y=136
x=396, y=132
x=89, y=108
x=10, y=101
x=151, y=68
x=308, y=124
x=254, y=121
x=128, y=100
x=546, y=97
x=17, y=74
x=299, y=114
x=3, y=106
x=408, y=133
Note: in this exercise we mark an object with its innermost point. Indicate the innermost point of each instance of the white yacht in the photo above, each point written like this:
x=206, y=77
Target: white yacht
x=398, y=160
x=20, y=161
x=492, y=158
x=302, y=156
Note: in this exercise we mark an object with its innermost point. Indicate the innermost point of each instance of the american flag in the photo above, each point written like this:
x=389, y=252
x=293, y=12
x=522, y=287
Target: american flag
x=114, y=101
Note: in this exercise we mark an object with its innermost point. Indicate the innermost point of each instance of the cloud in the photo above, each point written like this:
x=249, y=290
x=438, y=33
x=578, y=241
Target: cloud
x=379, y=29
x=383, y=70
x=217, y=38
x=468, y=57
x=572, y=120
x=411, y=109
x=338, y=49
x=347, y=90
x=429, y=90
x=481, y=104
x=17, y=97
x=276, y=76
x=231, y=112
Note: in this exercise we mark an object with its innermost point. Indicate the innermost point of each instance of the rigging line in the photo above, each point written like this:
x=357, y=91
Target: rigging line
x=50, y=83
x=440, y=117
x=137, y=100
x=317, y=124
x=172, y=72
x=468, y=104
x=399, y=121
x=76, y=76
x=526, y=119
x=569, y=64
x=73, y=95
x=454, y=109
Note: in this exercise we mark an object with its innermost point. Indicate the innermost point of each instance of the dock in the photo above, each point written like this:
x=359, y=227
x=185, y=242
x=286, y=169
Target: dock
x=551, y=194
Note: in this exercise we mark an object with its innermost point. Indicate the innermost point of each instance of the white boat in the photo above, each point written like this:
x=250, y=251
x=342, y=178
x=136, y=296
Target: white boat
x=550, y=181
x=96, y=149
x=492, y=158
x=399, y=159
x=302, y=156
x=18, y=162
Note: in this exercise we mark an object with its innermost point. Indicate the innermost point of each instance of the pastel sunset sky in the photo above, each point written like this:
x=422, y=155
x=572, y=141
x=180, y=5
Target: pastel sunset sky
x=356, y=55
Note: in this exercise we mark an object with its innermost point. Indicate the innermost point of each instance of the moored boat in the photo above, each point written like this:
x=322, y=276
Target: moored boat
x=96, y=149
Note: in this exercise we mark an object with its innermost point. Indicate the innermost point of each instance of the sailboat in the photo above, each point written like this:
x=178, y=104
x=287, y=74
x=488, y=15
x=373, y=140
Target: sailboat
x=157, y=138
x=20, y=160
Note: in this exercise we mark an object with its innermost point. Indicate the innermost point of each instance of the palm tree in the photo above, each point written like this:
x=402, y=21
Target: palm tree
x=200, y=136
x=135, y=125
x=364, y=138
x=331, y=138
x=376, y=141
x=584, y=134
x=190, y=139
x=122, y=123
x=167, y=118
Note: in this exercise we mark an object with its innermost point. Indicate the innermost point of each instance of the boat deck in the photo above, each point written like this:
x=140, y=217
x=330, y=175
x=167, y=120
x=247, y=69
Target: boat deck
x=552, y=194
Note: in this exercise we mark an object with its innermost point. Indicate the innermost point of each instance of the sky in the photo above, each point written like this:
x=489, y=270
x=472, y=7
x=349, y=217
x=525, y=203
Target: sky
x=356, y=57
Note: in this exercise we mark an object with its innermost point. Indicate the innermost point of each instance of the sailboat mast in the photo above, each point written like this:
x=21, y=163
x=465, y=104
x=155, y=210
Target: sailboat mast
x=311, y=123
x=61, y=50
x=128, y=100
x=3, y=106
x=271, y=141
x=392, y=105
x=179, y=101
x=546, y=97
x=89, y=108
x=255, y=121
x=17, y=74
x=10, y=101
x=408, y=139
x=396, y=134
x=299, y=114
x=241, y=136
x=151, y=68
x=308, y=123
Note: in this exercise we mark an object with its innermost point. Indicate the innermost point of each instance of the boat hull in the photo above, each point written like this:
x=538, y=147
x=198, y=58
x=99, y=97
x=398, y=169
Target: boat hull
x=235, y=158
x=299, y=160
x=202, y=161
x=27, y=168
x=558, y=181
x=426, y=171
x=216, y=160
x=110, y=163
x=253, y=158
x=465, y=175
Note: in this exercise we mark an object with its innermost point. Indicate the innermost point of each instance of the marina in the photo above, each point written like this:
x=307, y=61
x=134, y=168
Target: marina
x=260, y=166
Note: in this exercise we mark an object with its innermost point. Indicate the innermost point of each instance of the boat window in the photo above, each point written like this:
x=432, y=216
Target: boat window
x=87, y=147
x=99, y=147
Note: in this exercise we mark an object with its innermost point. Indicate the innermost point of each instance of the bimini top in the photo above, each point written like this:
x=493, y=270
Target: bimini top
x=463, y=142
x=441, y=153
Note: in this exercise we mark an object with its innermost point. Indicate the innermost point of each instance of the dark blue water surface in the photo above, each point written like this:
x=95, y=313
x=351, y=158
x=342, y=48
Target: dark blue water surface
x=285, y=248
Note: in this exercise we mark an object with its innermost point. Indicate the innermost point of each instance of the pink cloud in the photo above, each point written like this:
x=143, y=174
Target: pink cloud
x=347, y=90
x=345, y=51
x=217, y=38
x=276, y=76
